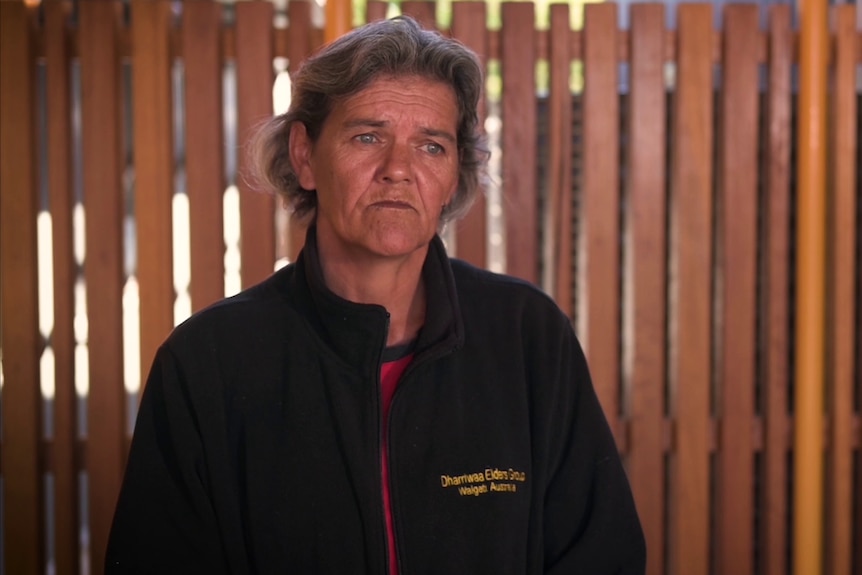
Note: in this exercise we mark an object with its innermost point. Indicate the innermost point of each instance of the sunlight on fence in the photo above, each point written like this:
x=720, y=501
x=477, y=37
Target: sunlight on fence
x=46, y=301
x=131, y=336
x=182, y=257
x=232, y=265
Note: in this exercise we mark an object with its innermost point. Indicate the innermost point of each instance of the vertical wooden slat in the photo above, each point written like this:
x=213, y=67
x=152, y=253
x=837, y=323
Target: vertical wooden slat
x=301, y=43
x=254, y=94
x=810, y=306
x=103, y=202
x=375, y=10
x=422, y=11
x=737, y=285
x=776, y=322
x=154, y=171
x=519, y=140
x=299, y=47
x=339, y=14
x=599, y=246
x=560, y=155
x=842, y=295
x=66, y=505
x=646, y=268
x=690, y=296
x=205, y=177
x=856, y=550
x=22, y=481
x=468, y=26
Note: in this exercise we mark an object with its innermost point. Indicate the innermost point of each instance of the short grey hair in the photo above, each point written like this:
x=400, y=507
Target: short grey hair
x=387, y=48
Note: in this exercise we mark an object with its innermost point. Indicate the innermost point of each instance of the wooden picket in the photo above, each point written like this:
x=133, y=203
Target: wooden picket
x=154, y=170
x=65, y=463
x=375, y=10
x=667, y=207
x=102, y=136
x=775, y=338
x=302, y=43
x=205, y=166
x=20, y=458
x=254, y=42
x=518, y=116
x=423, y=11
x=598, y=315
x=468, y=25
x=843, y=263
x=690, y=227
x=560, y=155
x=737, y=206
x=646, y=275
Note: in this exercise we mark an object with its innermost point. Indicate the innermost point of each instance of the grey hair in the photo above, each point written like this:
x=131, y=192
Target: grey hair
x=387, y=48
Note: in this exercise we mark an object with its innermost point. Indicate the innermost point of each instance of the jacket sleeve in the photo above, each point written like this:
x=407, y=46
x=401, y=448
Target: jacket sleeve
x=164, y=521
x=590, y=521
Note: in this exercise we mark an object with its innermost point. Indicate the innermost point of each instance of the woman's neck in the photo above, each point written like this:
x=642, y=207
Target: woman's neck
x=394, y=283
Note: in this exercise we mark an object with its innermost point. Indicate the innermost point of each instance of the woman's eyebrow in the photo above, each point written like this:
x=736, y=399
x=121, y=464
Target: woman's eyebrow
x=365, y=122
x=372, y=123
x=444, y=134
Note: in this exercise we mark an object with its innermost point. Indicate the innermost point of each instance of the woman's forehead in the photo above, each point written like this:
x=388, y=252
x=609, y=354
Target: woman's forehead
x=388, y=98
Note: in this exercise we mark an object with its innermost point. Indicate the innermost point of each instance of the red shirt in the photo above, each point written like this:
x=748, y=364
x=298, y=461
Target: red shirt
x=390, y=374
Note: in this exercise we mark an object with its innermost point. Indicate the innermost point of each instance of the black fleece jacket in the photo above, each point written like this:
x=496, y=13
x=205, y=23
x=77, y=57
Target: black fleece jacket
x=257, y=443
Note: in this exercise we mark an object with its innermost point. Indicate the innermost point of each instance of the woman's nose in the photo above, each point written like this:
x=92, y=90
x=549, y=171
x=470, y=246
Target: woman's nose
x=396, y=166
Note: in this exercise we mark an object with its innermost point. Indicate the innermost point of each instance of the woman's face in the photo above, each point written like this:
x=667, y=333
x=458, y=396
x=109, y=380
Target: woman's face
x=384, y=165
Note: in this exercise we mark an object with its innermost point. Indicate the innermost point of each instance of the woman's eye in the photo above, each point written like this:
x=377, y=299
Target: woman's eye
x=434, y=149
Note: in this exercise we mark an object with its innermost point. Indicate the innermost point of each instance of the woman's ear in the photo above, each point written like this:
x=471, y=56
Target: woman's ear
x=300, y=148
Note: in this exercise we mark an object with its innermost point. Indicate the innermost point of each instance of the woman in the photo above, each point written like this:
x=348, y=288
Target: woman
x=376, y=407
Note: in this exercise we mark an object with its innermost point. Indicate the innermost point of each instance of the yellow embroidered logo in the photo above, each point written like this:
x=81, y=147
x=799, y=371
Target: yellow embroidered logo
x=491, y=480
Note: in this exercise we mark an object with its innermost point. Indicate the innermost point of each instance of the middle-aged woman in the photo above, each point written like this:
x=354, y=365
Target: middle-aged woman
x=376, y=407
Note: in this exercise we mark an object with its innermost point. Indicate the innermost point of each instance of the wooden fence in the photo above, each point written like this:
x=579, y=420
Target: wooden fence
x=665, y=190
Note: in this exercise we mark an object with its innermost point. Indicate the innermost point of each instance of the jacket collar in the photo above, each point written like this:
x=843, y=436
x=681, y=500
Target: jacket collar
x=357, y=332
